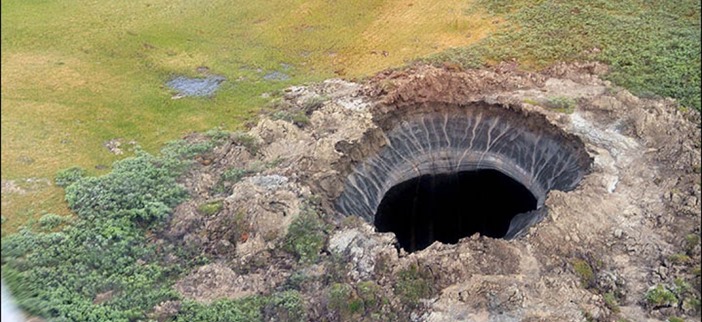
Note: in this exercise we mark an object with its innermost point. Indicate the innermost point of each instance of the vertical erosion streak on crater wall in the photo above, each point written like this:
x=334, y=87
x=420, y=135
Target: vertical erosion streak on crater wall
x=438, y=138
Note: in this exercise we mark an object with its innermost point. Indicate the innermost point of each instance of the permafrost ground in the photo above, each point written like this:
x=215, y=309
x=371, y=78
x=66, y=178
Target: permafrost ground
x=617, y=178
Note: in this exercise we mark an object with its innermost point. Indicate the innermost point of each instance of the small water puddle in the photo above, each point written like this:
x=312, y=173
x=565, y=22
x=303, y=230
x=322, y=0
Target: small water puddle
x=195, y=87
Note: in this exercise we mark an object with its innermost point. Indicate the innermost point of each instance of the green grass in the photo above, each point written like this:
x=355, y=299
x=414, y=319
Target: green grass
x=78, y=73
x=653, y=48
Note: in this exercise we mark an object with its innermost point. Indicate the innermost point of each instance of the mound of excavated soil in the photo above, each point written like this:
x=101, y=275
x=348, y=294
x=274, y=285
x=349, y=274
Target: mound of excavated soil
x=622, y=223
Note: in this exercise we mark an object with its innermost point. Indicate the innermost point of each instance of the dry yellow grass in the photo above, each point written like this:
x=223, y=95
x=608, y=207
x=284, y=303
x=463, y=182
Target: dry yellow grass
x=76, y=74
x=407, y=30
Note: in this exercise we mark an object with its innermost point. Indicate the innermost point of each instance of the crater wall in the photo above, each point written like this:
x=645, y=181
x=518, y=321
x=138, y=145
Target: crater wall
x=442, y=138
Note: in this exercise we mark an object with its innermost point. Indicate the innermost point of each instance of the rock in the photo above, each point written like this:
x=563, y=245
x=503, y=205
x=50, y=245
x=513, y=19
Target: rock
x=113, y=146
x=215, y=281
x=103, y=297
x=618, y=233
x=165, y=310
x=269, y=182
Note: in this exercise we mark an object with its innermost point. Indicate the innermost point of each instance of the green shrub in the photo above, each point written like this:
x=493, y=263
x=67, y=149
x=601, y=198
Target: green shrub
x=218, y=135
x=247, y=141
x=687, y=295
x=51, y=221
x=228, y=178
x=692, y=304
x=57, y=275
x=142, y=188
x=185, y=150
x=343, y=301
x=588, y=316
x=691, y=241
x=675, y=319
x=584, y=271
x=313, y=103
x=370, y=293
x=660, y=296
x=679, y=258
x=298, y=118
x=285, y=306
x=560, y=104
x=611, y=302
x=242, y=310
x=235, y=175
x=295, y=281
x=412, y=285
x=681, y=286
x=305, y=237
x=210, y=208
x=182, y=149
x=68, y=176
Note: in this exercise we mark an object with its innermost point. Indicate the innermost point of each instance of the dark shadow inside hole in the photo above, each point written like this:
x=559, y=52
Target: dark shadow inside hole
x=448, y=207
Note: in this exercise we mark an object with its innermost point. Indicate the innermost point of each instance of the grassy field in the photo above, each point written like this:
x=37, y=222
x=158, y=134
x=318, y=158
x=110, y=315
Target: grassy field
x=652, y=47
x=78, y=73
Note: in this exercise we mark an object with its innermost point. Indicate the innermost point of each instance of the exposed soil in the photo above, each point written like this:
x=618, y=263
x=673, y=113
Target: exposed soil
x=625, y=228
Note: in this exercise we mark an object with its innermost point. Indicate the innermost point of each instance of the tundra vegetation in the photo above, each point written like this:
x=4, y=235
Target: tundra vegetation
x=79, y=73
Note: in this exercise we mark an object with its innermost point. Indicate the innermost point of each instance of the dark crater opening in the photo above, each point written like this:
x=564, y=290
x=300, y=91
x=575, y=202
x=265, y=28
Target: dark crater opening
x=440, y=172
x=447, y=207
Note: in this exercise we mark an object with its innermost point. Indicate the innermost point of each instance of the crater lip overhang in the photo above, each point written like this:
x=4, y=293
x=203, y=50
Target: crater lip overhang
x=522, y=145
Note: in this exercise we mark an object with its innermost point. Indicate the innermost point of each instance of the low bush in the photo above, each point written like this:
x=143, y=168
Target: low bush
x=100, y=265
x=50, y=221
x=210, y=208
x=243, y=310
x=247, y=141
x=660, y=296
x=412, y=285
x=305, y=238
x=585, y=272
x=344, y=302
x=298, y=118
x=611, y=302
x=68, y=176
x=285, y=306
x=560, y=104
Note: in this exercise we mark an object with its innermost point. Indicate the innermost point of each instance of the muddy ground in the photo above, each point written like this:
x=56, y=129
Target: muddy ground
x=631, y=225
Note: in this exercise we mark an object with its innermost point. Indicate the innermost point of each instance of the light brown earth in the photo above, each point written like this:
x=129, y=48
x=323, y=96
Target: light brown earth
x=633, y=222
